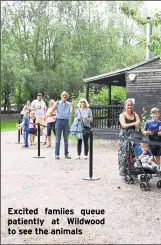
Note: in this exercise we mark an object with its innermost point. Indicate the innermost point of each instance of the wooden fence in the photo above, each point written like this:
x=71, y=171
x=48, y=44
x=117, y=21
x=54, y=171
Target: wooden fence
x=106, y=116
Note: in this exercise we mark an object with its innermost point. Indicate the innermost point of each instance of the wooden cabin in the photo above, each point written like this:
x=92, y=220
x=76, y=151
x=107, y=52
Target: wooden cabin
x=143, y=86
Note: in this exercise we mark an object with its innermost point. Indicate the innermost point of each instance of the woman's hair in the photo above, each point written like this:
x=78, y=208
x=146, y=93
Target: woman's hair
x=128, y=100
x=51, y=102
x=83, y=100
x=28, y=102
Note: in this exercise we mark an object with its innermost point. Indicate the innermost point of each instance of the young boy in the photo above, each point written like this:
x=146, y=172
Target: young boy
x=146, y=157
x=152, y=129
x=25, y=123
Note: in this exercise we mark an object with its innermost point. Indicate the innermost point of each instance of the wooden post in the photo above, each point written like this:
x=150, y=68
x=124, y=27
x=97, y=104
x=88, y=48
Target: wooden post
x=87, y=92
x=109, y=103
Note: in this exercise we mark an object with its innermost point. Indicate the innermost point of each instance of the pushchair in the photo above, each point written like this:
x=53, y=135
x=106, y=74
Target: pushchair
x=134, y=166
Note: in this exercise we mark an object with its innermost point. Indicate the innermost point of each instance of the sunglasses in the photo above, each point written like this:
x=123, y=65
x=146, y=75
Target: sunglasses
x=82, y=102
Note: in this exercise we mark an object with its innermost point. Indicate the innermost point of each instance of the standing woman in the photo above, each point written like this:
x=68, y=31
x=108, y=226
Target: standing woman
x=84, y=113
x=51, y=118
x=27, y=106
x=129, y=121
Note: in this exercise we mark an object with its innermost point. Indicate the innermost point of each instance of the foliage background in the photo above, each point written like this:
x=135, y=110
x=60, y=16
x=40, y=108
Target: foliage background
x=50, y=46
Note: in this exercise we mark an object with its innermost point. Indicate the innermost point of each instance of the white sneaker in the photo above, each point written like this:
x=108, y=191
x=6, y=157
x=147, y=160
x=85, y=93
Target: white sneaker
x=78, y=157
x=85, y=157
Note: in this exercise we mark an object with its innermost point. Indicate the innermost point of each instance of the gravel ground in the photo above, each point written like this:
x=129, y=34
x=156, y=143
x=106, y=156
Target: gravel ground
x=131, y=215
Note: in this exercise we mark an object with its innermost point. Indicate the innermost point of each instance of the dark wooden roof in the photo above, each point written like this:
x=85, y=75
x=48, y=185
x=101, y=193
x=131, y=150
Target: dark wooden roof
x=116, y=78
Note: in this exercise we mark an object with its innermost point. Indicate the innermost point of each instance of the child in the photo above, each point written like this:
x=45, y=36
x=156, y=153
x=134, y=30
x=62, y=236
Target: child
x=25, y=123
x=32, y=127
x=152, y=129
x=146, y=157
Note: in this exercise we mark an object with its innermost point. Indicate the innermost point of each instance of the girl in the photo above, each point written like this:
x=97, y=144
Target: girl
x=32, y=127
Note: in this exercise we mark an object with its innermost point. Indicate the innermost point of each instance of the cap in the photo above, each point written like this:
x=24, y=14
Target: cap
x=39, y=94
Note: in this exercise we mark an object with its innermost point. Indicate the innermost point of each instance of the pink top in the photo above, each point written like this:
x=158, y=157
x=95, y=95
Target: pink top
x=51, y=118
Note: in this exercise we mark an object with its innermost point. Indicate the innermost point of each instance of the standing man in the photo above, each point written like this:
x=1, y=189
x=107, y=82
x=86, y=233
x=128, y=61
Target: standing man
x=39, y=107
x=63, y=111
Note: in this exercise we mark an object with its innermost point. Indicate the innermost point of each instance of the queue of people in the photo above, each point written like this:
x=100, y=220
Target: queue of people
x=56, y=118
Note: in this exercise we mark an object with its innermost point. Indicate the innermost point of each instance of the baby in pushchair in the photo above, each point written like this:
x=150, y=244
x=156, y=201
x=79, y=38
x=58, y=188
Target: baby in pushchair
x=140, y=162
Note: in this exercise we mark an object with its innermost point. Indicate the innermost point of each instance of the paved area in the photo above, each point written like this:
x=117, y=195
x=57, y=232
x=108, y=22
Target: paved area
x=131, y=215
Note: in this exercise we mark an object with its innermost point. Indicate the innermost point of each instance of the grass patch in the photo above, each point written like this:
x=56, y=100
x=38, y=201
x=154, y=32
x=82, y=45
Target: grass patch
x=8, y=125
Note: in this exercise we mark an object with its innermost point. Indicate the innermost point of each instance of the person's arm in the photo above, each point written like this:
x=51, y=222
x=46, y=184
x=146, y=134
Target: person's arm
x=141, y=156
x=21, y=124
x=146, y=130
x=89, y=118
x=127, y=125
x=71, y=107
x=138, y=122
x=54, y=106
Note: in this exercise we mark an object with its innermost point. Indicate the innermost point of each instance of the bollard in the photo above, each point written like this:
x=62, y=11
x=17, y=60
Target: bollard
x=91, y=159
x=38, y=137
x=19, y=121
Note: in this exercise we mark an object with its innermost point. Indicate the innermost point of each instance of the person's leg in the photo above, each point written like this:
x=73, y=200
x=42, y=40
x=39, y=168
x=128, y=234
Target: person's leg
x=79, y=147
x=122, y=158
x=58, y=129
x=53, y=126
x=66, y=130
x=27, y=135
x=31, y=139
x=86, y=144
x=24, y=138
x=49, y=134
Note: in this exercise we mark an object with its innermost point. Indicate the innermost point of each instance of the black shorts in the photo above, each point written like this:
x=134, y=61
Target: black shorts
x=155, y=149
x=33, y=131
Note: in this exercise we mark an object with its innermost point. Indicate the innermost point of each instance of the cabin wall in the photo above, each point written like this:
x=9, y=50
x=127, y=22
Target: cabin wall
x=146, y=89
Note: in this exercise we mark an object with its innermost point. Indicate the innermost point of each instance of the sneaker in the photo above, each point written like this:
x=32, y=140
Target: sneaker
x=44, y=143
x=78, y=157
x=25, y=146
x=57, y=157
x=67, y=157
x=85, y=157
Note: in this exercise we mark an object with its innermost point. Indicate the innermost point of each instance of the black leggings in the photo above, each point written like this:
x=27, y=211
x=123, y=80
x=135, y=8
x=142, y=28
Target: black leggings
x=86, y=146
x=50, y=126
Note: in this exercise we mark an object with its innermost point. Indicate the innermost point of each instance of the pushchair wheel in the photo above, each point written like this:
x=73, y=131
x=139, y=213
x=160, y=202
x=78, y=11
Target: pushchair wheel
x=142, y=178
x=129, y=180
x=144, y=186
x=159, y=184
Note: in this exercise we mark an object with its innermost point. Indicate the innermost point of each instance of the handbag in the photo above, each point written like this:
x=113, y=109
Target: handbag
x=86, y=129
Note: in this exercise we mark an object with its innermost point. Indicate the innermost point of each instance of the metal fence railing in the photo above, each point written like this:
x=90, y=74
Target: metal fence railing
x=106, y=116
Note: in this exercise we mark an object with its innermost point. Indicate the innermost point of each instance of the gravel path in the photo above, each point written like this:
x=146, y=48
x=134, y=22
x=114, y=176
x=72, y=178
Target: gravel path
x=131, y=215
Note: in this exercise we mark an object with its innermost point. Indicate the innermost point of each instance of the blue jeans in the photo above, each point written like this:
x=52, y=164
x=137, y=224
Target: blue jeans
x=26, y=134
x=62, y=125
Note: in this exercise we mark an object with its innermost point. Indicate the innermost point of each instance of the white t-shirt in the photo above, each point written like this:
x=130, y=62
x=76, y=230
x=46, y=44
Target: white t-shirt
x=39, y=113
